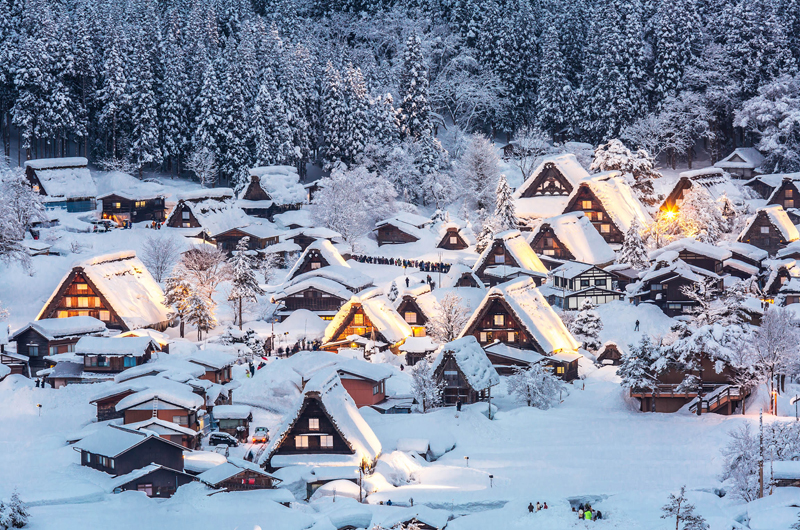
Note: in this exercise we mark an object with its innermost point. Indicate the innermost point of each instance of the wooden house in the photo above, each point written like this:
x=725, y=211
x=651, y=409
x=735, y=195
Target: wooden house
x=546, y=192
x=769, y=229
x=411, y=307
x=184, y=436
x=507, y=359
x=466, y=372
x=217, y=365
x=609, y=353
x=782, y=282
x=509, y=256
x=207, y=211
x=321, y=253
x=455, y=236
x=459, y=276
x=238, y=475
x=695, y=253
x=365, y=382
x=786, y=195
x=133, y=207
x=319, y=295
x=746, y=260
x=119, y=450
x=304, y=236
x=402, y=228
x=715, y=180
x=273, y=190
x=742, y=163
x=371, y=316
x=622, y=275
x=16, y=363
x=64, y=182
x=610, y=205
x=417, y=348
x=662, y=284
x=791, y=251
x=166, y=400
x=517, y=314
x=764, y=185
x=324, y=429
x=152, y=480
x=571, y=237
x=53, y=336
x=113, y=355
x=234, y=420
x=114, y=288
x=106, y=402
x=260, y=236
x=785, y=473
x=573, y=283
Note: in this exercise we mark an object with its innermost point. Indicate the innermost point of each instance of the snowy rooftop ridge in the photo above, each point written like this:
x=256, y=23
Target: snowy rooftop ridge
x=690, y=245
x=380, y=311
x=580, y=237
x=519, y=249
x=282, y=183
x=779, y=219
x=567, y=164
x=64, y=177
x=343, y=274
x=54, y=163
x=133, y=346
x=618, y=199
x=325, y=249
x=742, y=158
x=205, y=193
x=471, y=360
x=53, y=328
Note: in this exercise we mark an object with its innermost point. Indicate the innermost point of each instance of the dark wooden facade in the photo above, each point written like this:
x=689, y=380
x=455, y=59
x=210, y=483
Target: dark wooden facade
x=314, y=300
x=114, y=364
x=182, y=217
x=313, y=432
x=763, y=234
x=78, y=296
x=255, y=192
x=389, y=234
x=311, y=260
x=456, y=386
x=107, y=405
x=229, y=239
x=609, y=353
x=356, y=322
x=246, y=480
x=36, y=346
x=153, y=450
x=413, y=315
x=786, y=195
x=121, y=209
x=587, y=202
x=236, y=427
x=496, y=322
x=550, y=181
x=546, y=243
x=761, y=187
x=160, y=483
x=665, y=292
x=452, y=240
x=175, y=414
x=703, y=261
x=499, y=256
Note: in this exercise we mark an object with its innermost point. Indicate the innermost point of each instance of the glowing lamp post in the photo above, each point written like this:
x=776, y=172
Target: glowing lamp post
x=39, y=407
x=466, y=458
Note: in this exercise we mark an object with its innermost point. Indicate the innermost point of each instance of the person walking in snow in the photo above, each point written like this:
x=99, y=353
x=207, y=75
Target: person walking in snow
x=407, y=281
x=458, y=405
x=389, y=502
x=538, y=506
x=545, y=505
x=637, y=326
x=588, y=514
x=530, y=507
x=580, y=513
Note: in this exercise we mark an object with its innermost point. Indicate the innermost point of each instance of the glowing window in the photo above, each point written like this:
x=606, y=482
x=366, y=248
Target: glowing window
x=313, y=424
x=410, y=317
x=301, y=442
x=105, y=316
x=326, y=442
x=499, y=320
x=82, y=286
x=453, y=240
x=358, y=319
x=605, y=229
x=586, y=205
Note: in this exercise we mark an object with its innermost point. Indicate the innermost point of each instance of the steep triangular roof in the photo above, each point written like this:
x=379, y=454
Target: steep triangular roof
x=322, y=248
x=742, y=158
x=471, y=360
x=579, y=236
x=778, y=218
x=378, y=309
x=618, y=199
x=565, y=167
x=518, y=248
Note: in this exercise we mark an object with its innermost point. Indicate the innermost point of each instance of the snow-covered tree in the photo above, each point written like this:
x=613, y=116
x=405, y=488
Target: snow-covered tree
x=554, y=97
x=393, y=292
x=427, y=391
x=530, y=145
x=177, y=292
x=270, y=121
x=113, y=95
x=504, y=211
x=449, y=318
x=203, y=163
x=587, y=326
x=144, y=139
x=334, y=116
x=633, y=252
x=740, y=465
x=614, y=156
x=414, y=111
x=700, y=217
x=269, y=265
x=636, y=369
x=679, y=509
x=487, y=231
x=205, y=267
x=245, y=285
x=713, y=306
x=208, y=121
x=477, y=172
x=677, y=35
x=14, y=513
x=535, y=386
x=200, y=313
x=159, y=254
x=774, y=346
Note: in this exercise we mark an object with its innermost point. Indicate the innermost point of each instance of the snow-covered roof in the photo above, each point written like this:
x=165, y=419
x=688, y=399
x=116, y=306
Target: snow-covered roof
x=205, y=193
x=675, y=267
x=471, y=360
x=232, y=412
x=779, y=219
x=532, y=312
x=210, y=358
x=750, y=251
x=457, y=270
x=133, y=346
x=429, y=516
x=161, y=427
x=53, y=328
x=321, y=284
x=326, y=387
x=742, y=158
x=462, y=228
x=259, y=230
x=214, y=209
x=301, y=217
x=567, y=164
x=618, y=199
x=128, y=187
x=786, y=469
x=690, y=245
x=571, y=269
x=113, y=440
x=223, y=472
x=380, y=311
x=345, y=275
x=127, y=286
x=504, y=350
x=580, y=237
x=169, y=392
x=282, y=183
x=325, y=249
x=540, y=206
x=363, y=369
x=718, y=183
x=64, y=177
x=419, y=345
x=317, y=232
x=406, y=218
x=520, y=250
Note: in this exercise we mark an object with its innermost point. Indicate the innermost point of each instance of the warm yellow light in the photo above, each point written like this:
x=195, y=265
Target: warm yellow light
x=670, y=214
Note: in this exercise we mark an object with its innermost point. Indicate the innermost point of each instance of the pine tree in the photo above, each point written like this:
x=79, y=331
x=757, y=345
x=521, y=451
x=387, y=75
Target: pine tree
x=385, y=126
x=554, y=97
x=245, y=285
x=113, y=96
x=677, y=37
x=393, y=292
x=234, y=157
x=334, y=120
x=17, y=511
x=357, y=128
x=174, y=104
x=535, y=386
x=587, y=326
x=679, y=509
x=144, y=147
x=299, y=92
x=177, y=293
x=273, y=135
x=633, y=252
x=504, y=211
x=636, y=369
x=200, y=313
x=208, y=120
x=415, y=109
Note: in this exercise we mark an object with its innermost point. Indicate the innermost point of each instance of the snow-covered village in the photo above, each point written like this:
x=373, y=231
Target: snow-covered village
x=378, y=265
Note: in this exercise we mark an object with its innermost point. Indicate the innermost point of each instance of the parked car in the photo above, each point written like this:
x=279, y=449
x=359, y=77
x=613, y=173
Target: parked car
x=222, y=438
x=261, y=435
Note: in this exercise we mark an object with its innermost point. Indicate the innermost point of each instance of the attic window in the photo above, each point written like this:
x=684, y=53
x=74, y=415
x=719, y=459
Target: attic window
x=358, y=319
x=410, y=317
x=499, y=258
x=788, y=204
x=105, y=316
x=605, y=228
x=313, y=424
x=765, y=230
x=326, y=442
x=453, y=240
x=512, y=336
x=586, y=205
x=185, y=215
x=301, y=442
x=549, y=252
x=788, y=194
x=499, y=320
x=315, y=265
x=82, y=287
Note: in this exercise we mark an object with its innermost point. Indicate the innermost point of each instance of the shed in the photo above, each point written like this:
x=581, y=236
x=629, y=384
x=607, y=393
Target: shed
x=743, y=162
x=234, y=420
x=466, y=371
x=65, y=182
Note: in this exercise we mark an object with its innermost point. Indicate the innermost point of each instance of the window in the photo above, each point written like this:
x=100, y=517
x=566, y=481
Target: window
x=674, y=306
x=484, y=337
x=146, y=488
x=53, y=350
x=105, y=316
x=453, y=240
x=559, y=369
x=82, y=287
x=605, y=228
x=358, y=319
x=315, y=265
x=68, y=302
x=140, y=204
x=586, y=205
x=185, y=215
x=410, y=317
x=584, y=283
x=181, y=420
x=95, y=301
x=376, y=389
x=548, y=242
x=788, y=204
x=111, y=463
x=33, y=350
x=549, y=252
x=70, y=348
x=655, y=287
x=63, y=314
x=499, y=258
x=512, y=336
x=788, y=194
x=765, y=230
x=129, y=362
x=83, y=301
x=326, y=442
x=313, y=424
x=600, y=283
x=87, y=458
x=598, y=216
x=499, y=320
x=301, y=442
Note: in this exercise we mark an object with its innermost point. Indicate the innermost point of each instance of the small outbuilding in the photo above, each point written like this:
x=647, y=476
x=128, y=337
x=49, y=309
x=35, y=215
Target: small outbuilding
x=466, y=372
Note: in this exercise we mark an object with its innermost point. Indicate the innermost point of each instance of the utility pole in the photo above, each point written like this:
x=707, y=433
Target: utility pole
x=761, y=454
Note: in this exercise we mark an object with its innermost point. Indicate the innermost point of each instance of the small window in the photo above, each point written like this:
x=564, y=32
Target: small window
x=376, y=389
x=788, y=194
x=765, y=230
x=499, y=320
x=53, y=350
x=63, y=314
x=326, y=442
x=140, y=204
x=70, y=348
x=605, y=228
x=83, y=301
x=313, y=424
x=559, y=369
x=453, y=240
x=181, y=420
x=598, y=216
x=512, y=336
x=111, y=463
x=655, y=287
x=129, y=362
x=315, y=265
x=358, y=319
x=105, y=316
x=788, y=204
x=499, y=258
x=584, y=283
x=82, y=287
x=410, y=317
x=68, y=302
x=146, y=488
x=586, y=205
x=600, y=283
x=549, y=252
x=548, y=242
x=185, y=215
x=674, y=306
x=484, y=337
x=301, y=442
x=33, y=350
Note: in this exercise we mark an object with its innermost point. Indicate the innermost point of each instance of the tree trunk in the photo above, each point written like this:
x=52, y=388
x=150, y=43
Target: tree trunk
x=689, y=156
x=182, y=324
x=240, y=313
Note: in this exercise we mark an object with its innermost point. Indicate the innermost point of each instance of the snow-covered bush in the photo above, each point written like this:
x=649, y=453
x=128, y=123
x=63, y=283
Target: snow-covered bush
x=426, y=390
x=682, y=512
x=614, y=156
x=13, y=513
x=587, y=326
x=535, y=386
x=740, y=465
x=633, y=252
x=477, y=172
x=449, y=319
x=636, y=369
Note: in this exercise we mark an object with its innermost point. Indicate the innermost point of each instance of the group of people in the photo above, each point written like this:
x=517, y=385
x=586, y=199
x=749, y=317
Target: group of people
x=587, y=514
x=423, y=266
x=155, y=225
x=539, y=506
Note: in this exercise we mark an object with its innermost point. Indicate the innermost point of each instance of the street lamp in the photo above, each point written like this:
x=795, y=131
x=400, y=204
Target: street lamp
x=467, y=459
x=491, y=480
x=39, y=407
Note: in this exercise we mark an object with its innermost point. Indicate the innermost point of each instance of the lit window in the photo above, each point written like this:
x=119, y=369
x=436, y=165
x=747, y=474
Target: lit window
x=549, y=252
x=95, y=301
x=605, y=228
x=313, y=424
x=788, y=193
x=559, y=369
x=512, y=336
x=117, y=206
x=598, y=216
x=586, y=205
x=140, y=204
x=765, y=230
x=499, y=320
x=484, y=337
x=411, y=317
x=68, y=302
x=83, y=301
x=315, y=265
x=63, y=314
x=788, y=204
x=105, y=316
x=453, y=240
x=301, y=442
x=358, y=319
x=326, y=442
x=82, y=287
